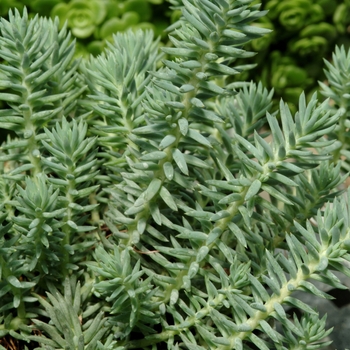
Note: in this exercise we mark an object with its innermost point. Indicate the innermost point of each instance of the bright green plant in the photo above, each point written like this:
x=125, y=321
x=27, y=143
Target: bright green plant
x=83, y=17
x=143, y=205
x=96, y=21
x=294, y=15
x=303, y=32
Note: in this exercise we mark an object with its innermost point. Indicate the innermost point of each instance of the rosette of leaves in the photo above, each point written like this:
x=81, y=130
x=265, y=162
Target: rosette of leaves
x=295, y=15
x=313, y=40
x=83, y=17
x=305, y=32
x=95, y=22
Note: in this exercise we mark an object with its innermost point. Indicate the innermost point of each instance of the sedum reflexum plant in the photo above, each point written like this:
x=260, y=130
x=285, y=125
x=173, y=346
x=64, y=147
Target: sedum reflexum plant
x=146, y=203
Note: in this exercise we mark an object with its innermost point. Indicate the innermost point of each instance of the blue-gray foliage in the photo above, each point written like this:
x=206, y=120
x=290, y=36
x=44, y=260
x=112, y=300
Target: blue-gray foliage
x=148, y=202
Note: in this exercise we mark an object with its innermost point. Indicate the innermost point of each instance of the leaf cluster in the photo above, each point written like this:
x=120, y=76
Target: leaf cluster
x=303, y=33
x=94, y=22
x=148, y=202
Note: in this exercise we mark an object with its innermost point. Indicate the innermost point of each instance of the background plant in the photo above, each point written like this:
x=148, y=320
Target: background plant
x=304, y=32
x=142, y=203
x=94, y=22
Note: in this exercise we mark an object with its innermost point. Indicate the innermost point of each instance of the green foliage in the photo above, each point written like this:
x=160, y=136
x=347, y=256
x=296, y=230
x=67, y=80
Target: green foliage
x=82, y=17
x=94, y=22
x=338, y=90
x=66, y=330
x=149, y=202
x=304, y=32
